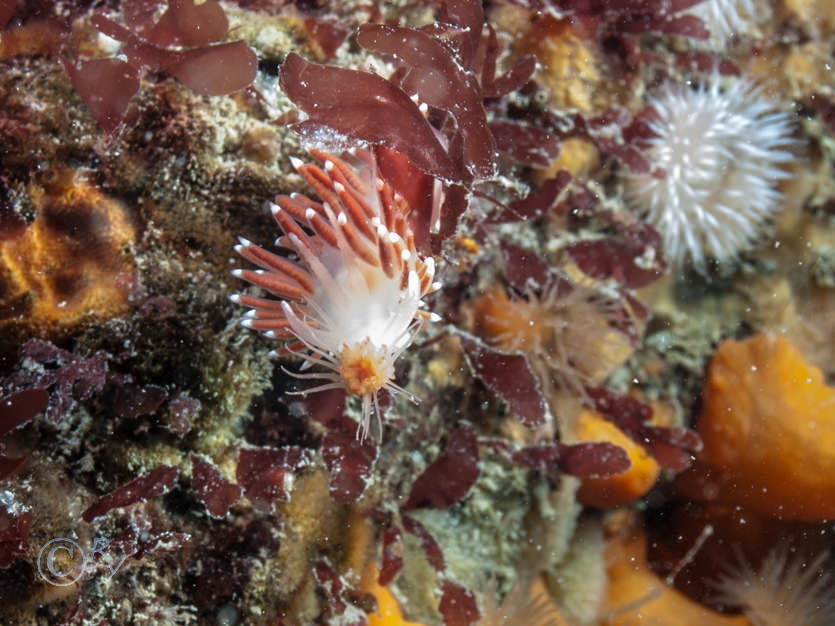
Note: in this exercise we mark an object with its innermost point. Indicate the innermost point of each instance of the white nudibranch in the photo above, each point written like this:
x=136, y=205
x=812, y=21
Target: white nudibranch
x=350, y=301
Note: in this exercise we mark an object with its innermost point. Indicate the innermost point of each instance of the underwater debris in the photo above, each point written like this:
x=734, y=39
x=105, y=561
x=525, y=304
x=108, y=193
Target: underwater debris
x=715, y=156
x=352, y=300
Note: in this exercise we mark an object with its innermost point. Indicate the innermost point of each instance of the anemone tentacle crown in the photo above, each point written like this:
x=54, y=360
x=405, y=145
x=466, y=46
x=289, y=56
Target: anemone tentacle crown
x=715, y=159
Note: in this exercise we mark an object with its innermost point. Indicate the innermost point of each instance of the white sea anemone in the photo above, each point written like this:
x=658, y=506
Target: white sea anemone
x=781, y=592
x=351, y=300
x=728, y=18
x=715, y=160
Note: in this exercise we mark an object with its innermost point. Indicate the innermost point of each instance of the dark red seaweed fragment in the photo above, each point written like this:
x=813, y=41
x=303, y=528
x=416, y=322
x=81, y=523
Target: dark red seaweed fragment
x=349, y=460
x=610, y=257
x=181, y=412
x=215, y=70
x=262, y=472
x=156, y=482
x=330, y=583
x=509, y=377
x=434, y=554
x=449, y=477
x=134, y=400
x=14, y=534
x=184, y=23
x=431, y=72
x=633, y=257
x=673, y=448
x=364, y=107
x=181, y=44
x=217, y=493
x=458, y=605
x=584, y=460
x=632, y=17
x=106, y=86
x=468, y=18
x=525, y=143
x=537, y=203
x=20, y=407
x=544, y=458
x=825, y=107
x=513, y=79
x=339, y=593
x=6, y=10
x=523, y=268
x=326, y=407
x=327, y=34
x=392, y=540
x=67, y=377
x=15, y=410
x=594, y=459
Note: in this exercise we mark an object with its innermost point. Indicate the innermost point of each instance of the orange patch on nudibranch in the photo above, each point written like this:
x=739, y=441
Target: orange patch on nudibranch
x=768, y=426
x=362, y=371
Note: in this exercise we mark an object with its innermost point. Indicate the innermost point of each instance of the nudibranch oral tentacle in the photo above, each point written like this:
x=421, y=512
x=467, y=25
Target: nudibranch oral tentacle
x=349, y=302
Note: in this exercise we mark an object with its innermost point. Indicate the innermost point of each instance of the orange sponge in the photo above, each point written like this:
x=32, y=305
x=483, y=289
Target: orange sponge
x=768, y=426
x=638, y=596
x=620, y=488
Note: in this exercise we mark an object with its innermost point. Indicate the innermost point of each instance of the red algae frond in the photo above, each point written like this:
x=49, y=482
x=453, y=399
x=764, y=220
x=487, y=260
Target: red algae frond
x=350, y=300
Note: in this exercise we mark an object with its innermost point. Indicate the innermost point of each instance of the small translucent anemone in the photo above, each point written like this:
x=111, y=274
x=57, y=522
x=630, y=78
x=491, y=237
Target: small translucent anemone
x=567, y=331
x=715, y=158
x=781, y=592
x=349, y=300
